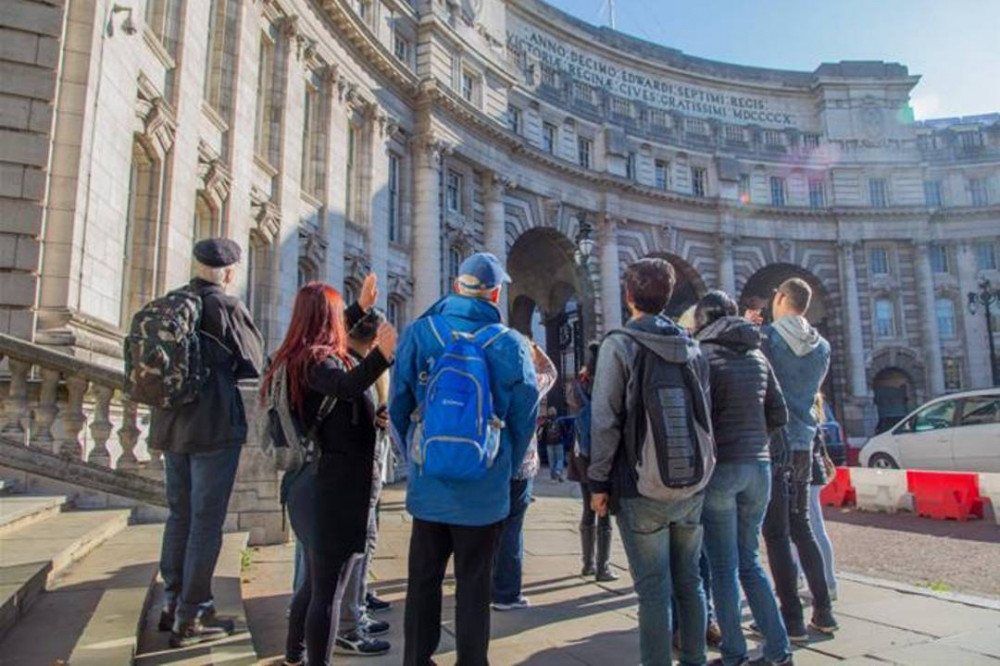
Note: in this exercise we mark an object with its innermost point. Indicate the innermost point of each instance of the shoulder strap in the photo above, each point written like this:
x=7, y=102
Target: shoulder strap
x=489, y=334
x=440, y=329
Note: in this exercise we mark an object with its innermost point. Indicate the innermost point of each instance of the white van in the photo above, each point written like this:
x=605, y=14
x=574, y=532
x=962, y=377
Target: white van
x=956, y=432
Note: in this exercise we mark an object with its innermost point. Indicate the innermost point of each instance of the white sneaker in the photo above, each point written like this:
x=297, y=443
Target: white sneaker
x=522, y=602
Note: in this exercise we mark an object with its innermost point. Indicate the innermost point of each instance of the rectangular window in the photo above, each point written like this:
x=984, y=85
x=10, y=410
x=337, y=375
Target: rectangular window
x=514, y=119
x=817, y=193
x=393, y=186
x=774, y=138
x=265, y=80
x=584, y=148
x=970, y=139
x=885, y=318
x=986, y=256
x=778, y=188
x=932, y=193
x=944, y=309
x=696, y=126
x=743, y=188
x=549, y=138
x=311, y=112
x=401, y=48
x=630, y=166
x=699, y=181
x=810, y=141
x=939, y=258
x=878, y=193
x=734, y=134
x=621, y=107
x=662, y=169
x=952, y=374
x=659, y=118
x=453, y=192
x=470, y=88
x=583, y=92
x=878, y=261
x=979, y=192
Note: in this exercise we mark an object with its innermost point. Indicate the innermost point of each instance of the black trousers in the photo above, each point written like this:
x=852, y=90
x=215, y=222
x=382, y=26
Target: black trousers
x=313, y=613
x=431, y=545
x=787, y=521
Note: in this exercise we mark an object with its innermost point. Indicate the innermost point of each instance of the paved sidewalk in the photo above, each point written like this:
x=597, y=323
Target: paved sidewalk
x=576, y=621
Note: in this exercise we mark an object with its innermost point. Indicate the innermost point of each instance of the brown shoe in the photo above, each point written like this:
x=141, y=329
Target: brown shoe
x=713, y=635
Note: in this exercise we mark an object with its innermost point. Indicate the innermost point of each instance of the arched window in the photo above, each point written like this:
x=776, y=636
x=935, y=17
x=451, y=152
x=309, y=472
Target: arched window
x=455, y=259
x=944, y=309
x=351, y=291
x=140, y=249
x=205, y=225
x=396, y=311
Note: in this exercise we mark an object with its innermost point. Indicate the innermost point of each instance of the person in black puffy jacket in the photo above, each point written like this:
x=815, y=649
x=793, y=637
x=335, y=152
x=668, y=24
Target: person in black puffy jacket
x=747, y=405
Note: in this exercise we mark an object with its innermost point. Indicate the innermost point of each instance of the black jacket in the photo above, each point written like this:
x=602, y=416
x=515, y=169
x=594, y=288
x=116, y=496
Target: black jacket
x=346, y=440
x=747, y=403
x=233, y=349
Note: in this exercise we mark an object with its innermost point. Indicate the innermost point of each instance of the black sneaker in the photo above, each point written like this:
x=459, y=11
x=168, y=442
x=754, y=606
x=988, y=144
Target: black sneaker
x=357, y=644
x=376, y=605
x=824, y=622
x=797, y=632
x=210, y=618
x=761, y=661
x=370, y=627
x=195, y=633
x=166, y=619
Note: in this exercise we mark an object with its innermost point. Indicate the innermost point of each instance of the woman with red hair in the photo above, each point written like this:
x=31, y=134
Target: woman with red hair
x=328, y=498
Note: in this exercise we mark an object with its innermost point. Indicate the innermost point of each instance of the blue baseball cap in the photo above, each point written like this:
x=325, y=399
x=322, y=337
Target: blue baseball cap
x=482, y=270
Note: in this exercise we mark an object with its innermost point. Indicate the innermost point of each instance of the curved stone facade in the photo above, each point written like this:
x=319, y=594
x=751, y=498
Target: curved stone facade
x=331, y=137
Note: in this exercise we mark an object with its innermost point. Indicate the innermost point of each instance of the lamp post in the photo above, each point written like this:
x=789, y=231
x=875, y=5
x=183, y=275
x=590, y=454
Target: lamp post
x=988, y=297
x=584, y=241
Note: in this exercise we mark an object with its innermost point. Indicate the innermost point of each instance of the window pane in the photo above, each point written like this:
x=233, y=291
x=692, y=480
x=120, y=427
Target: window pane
x=932, y=192
x=980, y=410
x=945, y=310
x=936, y=417
x=777, y=191
x=939, y=258
x=699, y=184
x=884, y=319
x=662, y=174
x=879, y=261
x=986, y=257
x=878, y=193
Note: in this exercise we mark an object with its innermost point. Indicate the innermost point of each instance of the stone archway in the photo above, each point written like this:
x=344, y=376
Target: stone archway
x=688, y=289
x=547, y=282
x=895, y=396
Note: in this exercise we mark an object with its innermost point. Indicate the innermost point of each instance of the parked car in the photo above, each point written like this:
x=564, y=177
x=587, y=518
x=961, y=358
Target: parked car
x=958, y=432
x=836, y=438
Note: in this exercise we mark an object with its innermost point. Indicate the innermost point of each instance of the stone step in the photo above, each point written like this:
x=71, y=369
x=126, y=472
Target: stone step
x=35, y=553
x=238, y=649
x=17, y=511
x=97, y=604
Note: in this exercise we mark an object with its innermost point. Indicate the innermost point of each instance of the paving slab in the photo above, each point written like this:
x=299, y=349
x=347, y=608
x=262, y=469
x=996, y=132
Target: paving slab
x=575, y=621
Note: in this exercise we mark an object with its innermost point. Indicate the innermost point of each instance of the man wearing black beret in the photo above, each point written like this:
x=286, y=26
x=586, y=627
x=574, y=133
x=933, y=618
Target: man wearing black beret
x=201, y=444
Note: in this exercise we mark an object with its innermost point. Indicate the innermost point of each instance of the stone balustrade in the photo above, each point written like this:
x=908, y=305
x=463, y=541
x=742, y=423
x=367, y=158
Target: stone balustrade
x=72, y=408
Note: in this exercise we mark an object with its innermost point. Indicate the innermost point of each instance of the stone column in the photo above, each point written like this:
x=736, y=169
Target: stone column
x=859, y=403
x=727, y=272
x=977, y=350
x=611, y=281
x=928, y=320
x=427, y=223
x=495, y=223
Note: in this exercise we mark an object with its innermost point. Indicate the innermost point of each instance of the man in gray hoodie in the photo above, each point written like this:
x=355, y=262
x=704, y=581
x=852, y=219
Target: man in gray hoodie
x=800, y=357
x=662, y=535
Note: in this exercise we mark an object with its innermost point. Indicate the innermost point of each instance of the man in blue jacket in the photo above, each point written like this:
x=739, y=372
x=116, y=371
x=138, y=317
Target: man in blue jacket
x=800, y=357
x=461, y=517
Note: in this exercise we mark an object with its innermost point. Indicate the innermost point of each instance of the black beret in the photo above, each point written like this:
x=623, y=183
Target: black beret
x=217, y=252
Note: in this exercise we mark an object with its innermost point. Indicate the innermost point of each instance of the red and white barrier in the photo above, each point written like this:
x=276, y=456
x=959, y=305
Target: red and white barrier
x=940, y=495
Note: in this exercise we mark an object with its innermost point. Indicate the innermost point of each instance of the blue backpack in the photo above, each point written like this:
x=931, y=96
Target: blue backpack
x=456, y=435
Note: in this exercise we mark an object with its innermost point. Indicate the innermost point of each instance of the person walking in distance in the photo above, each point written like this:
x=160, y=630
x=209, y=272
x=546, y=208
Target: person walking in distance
x=551, y=434
x=652, y=456
x=747, y=405
x=594, y=530
x=466, y=397
x=201, y=442
x=510, y=553
x=800, y=357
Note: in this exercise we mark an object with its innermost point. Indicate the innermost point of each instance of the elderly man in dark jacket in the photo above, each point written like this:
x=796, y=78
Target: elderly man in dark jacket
x=201, y=444
x=747, y=405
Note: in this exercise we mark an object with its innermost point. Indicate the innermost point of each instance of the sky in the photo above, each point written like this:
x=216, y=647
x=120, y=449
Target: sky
x=954, y=45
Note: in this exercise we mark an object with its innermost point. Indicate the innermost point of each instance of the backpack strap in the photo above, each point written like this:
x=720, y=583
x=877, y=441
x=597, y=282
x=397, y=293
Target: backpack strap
x=489, y=334
x=440, y=329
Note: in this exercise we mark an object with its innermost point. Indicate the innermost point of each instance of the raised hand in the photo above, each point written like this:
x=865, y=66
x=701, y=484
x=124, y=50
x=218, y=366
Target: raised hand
x=369, y=292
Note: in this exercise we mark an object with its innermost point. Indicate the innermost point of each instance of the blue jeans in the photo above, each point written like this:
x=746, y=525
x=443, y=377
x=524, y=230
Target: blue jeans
x=705, y=570
x=557, y=459
x=299, y=572
x=198, y=489
x=735, y=503
x=663, y=544
x=510, y=549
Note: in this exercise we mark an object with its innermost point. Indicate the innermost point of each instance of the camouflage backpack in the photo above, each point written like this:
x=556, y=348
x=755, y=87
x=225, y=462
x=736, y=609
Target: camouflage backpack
x=163, y=354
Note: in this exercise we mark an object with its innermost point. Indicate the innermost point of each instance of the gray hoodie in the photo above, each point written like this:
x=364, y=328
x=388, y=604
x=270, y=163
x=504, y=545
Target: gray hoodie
x=614, y=387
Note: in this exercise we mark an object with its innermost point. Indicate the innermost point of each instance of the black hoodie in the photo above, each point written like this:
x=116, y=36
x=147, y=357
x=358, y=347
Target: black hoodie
x=747, y=403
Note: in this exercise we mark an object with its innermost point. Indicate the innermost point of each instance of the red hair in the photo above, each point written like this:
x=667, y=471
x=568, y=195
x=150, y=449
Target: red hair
x=316, y=332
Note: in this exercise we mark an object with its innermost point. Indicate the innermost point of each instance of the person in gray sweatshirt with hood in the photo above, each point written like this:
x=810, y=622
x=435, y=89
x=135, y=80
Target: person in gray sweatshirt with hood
x=800, y=357
x=636, y=422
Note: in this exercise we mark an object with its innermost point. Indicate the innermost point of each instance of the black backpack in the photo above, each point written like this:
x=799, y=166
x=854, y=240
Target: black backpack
x=668, y=428
x=163, y=352
x=551, y=432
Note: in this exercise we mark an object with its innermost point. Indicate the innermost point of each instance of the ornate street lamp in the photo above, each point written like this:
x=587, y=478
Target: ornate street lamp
x=584, y=241
x=988, y=297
